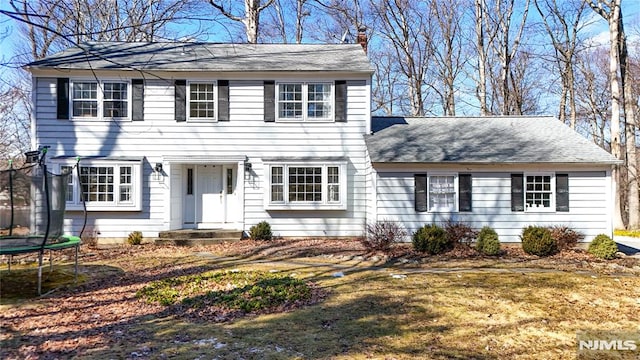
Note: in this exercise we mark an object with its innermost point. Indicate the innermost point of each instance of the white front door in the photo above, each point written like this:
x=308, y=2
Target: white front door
x=209, y=195
x=211, y=199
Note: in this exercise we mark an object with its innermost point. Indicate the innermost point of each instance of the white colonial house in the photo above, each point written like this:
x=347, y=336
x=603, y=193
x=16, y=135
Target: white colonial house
x=222, y=136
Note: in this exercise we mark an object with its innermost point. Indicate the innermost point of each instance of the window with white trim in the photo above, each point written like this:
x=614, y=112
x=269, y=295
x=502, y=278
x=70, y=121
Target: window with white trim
x=306, y=186
x=305, y=101
x=106, y=99
x=443, y=193
x=106, y=186
x=201, y=100
x=538, y=194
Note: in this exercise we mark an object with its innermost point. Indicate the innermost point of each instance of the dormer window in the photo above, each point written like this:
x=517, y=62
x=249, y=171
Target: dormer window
x=305, y=101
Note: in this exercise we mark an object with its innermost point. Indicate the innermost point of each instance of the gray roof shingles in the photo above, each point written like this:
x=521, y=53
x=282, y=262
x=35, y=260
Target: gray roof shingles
x=480, y=140
x=176, y=56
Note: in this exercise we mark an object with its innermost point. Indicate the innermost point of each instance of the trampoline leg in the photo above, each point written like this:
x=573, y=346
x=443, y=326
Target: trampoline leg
x=40, y=273
x=76, y=266
x=10, y=261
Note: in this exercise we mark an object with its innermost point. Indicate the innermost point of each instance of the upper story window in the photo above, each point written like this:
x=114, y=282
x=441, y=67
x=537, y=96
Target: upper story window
x=105, y=185
x=106, y=99
x=201, y=100
x=305, y=101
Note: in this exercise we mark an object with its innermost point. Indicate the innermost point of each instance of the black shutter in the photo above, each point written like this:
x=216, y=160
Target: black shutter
x=420, y=192
x=562, y=192
x=223, y=100
x=137, y=95
x=341, y=100
x=517, y=192
x=464, y=190
x=62, y=92
x=269, y=101
x=181, y=100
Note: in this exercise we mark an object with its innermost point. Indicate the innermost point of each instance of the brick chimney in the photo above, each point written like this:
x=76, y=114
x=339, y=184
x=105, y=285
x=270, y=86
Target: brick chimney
x=362, y=37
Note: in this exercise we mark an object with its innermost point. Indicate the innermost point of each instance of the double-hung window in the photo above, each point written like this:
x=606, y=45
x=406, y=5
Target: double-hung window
x=201, y=100
x=305, y=101
x=538, y=194
x=106, y=99
x=105, y=186
x=306, y=186
x=443, y=192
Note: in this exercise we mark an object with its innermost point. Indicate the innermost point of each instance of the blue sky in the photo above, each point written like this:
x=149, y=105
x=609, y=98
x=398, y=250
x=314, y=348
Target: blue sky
x=598, y=30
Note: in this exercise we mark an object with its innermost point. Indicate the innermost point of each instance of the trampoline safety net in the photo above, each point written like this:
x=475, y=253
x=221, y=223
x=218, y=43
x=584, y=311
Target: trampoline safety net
x=32, y=205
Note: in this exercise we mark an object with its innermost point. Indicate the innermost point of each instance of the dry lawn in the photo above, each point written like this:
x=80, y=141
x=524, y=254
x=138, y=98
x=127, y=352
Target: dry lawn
x=458, y=306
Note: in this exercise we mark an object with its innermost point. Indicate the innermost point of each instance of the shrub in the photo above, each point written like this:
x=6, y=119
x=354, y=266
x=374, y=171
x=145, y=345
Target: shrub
x=488, y=242
x=459, y=233
x=603, y=247
x=90, y=237
x=565, y=237
x=134, y=238
x=537, y=240
x=431, y=239
x=261, y=231
x=380, y=235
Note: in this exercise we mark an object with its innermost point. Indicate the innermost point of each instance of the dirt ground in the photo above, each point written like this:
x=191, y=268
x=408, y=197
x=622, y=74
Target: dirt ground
x=73, y=317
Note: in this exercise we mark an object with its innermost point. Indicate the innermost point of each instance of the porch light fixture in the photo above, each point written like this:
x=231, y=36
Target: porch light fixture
x=158, y=172
x=247, y=166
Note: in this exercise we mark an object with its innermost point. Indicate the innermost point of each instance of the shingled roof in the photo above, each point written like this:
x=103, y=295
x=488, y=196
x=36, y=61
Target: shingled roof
x=480, y=140
x=177, y=56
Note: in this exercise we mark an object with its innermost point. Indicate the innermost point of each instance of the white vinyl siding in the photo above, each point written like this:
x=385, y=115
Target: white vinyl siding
x=246, y=134
x=491, y=203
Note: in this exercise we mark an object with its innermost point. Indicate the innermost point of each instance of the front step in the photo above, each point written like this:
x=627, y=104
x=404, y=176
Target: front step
x=200, y=234
x=192, y=237
x=193, y=241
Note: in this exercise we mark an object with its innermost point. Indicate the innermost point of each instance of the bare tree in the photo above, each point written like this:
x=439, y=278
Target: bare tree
x=630, y=103
x=610, y=11
x=446, y=46
x=504, y=45
x=593, y=101
x=250, y=18
x=562, y=21
x=279, y=20
x=401, y=24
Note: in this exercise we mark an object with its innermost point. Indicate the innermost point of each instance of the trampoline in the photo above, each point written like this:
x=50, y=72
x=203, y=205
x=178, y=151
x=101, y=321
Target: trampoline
x=32, y=206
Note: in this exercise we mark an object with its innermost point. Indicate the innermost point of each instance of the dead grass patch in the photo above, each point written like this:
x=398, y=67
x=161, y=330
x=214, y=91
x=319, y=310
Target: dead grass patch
x=514, y=307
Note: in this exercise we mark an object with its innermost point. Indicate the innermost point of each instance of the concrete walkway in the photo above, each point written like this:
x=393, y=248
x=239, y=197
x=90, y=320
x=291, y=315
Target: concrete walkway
x=628, y=245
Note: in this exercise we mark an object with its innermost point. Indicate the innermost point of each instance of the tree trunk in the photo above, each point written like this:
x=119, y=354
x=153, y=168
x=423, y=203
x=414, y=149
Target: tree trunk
x=482, y=58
